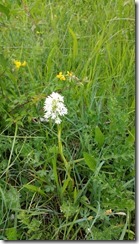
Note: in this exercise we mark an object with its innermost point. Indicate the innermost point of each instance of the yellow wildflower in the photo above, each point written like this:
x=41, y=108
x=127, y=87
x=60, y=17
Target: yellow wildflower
x=24, y=64
x=61, y=76
x=39, y=32
x=17, y=64
x=69, y=73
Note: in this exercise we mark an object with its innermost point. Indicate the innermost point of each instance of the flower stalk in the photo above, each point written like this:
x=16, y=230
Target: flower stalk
x=68, y=181
x=61, y=147
x=54, y=109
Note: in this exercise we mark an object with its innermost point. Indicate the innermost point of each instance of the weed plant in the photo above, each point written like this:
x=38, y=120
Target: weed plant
x=92, y=195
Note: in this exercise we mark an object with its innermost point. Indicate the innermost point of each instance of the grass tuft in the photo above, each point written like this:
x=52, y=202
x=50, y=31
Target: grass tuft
x=77, y=181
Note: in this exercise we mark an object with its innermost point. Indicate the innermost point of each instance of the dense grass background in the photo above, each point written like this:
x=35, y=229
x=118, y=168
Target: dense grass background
x=96, y=41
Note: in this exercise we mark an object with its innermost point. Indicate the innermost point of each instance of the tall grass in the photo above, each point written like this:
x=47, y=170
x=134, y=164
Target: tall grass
x=96, y=41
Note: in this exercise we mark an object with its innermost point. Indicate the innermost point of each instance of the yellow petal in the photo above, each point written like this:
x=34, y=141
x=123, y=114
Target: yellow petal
x=24, y=63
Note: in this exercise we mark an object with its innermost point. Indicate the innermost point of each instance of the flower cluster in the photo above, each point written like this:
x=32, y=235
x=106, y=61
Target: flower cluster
x=54, y=107
x=63, y=77
x=18, y=64
x=70, y=74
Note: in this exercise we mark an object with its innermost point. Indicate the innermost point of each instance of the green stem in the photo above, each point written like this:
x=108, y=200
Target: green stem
x=77, y=160
x=55, y=171
x=67, y=165
x=61, y=147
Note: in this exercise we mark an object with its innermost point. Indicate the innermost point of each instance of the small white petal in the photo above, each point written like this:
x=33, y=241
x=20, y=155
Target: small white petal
x=42, y=119
x=57, y=120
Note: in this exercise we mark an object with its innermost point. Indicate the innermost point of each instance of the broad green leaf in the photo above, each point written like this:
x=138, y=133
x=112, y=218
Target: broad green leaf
x=99, y=137
x=34, y=189
x=5, y=10
x=90, y=161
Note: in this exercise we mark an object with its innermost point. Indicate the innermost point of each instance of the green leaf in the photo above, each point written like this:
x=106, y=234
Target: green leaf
x=5, y=10
x=11, y=234
x=34, y=189
x=66, y=183
x=99, y=137
x=90, y=161
x=13, y=199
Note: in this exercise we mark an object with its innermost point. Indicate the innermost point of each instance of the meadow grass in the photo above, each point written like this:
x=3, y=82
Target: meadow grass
x=93, y=198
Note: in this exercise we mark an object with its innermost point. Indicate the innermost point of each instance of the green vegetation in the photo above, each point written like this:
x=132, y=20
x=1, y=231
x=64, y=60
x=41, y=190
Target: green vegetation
x=77, y=181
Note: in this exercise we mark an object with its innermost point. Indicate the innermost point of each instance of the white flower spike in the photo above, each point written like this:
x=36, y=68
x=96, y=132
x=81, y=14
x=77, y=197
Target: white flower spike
x=54, y=107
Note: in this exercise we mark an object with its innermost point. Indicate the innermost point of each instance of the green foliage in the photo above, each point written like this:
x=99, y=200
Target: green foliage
x=11, y=234
x=12, y=199
x=99, y=137
x=90, y=161
x=93, y=198
x=34, y=189
x=5, y=10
